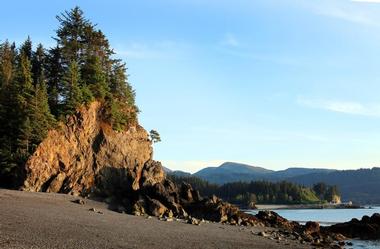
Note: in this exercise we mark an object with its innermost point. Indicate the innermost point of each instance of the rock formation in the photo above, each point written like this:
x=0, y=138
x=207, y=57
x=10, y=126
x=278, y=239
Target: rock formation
x=77, y=154
x=368, y=228
x=86, y=157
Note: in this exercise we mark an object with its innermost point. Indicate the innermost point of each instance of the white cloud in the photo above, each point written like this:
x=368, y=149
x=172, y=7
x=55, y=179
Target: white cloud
x=348, y=107
x=354, y=11
x=230, y=40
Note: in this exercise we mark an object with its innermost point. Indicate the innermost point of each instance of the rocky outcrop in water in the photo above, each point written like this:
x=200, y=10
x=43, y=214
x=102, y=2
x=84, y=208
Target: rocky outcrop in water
x=368, y=228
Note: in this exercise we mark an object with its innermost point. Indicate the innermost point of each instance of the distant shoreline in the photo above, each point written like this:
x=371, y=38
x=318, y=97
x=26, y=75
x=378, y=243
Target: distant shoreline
x=308, y=206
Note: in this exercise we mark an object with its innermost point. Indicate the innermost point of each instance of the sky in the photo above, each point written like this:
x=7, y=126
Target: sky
x=271, y=83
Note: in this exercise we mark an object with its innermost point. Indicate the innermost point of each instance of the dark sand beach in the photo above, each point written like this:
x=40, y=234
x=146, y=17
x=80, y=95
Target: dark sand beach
x=44, y=220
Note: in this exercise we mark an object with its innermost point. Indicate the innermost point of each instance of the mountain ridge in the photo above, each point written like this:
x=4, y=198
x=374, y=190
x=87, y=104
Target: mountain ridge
x=348, y=181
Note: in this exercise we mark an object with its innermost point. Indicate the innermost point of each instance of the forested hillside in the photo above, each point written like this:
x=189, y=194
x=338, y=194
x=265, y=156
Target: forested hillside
x=41, y=86
x=360, y=186
x=262, y=192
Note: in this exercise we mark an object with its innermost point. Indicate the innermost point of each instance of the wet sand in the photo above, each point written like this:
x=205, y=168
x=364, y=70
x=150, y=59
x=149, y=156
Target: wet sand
x=44, y=220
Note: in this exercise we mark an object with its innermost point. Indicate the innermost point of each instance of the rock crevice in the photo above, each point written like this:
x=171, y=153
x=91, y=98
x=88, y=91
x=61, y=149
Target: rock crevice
x=70, y=159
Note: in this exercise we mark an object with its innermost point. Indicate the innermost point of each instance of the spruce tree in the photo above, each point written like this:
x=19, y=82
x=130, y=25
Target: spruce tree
x=42, y=118
x=94, y=77
x=36, y=84
x=26, y=48
x=70, y=34
x=7, y=57
x=24, y=98
x=54, y=75
x=72, y=92
x=119, y=86
x=8, y=114
x=38, y=62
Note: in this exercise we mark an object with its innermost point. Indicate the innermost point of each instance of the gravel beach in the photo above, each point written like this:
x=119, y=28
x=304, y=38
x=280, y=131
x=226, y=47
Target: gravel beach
x=44, y=220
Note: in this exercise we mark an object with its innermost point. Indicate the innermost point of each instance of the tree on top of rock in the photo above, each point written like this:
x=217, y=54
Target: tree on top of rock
x=70, y=34
x=37, y=86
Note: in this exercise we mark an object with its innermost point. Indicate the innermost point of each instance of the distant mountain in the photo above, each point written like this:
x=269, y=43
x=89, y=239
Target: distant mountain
x=232, y=172
x=175, y=172
x=180, y=173
x=167, y=170
x=360, y=186
x=292, y=172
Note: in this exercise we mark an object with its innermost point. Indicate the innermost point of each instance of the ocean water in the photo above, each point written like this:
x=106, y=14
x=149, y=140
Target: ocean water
x=329, y=217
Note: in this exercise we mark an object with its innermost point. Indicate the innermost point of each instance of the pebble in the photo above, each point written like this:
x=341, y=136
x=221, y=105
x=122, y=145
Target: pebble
x=79, y=201
x=263, y=234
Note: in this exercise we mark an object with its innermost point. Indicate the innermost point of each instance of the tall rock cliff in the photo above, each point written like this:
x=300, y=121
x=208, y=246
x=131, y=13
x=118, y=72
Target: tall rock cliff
x=85, y=156
x=86, y=150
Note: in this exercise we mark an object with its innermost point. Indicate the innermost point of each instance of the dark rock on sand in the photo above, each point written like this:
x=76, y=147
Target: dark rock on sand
x=270, y=218
x=368, y=228
x=79, y=201
x=312, y=228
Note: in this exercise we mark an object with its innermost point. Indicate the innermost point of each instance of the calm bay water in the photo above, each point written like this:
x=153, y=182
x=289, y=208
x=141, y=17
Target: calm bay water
x=329, y=217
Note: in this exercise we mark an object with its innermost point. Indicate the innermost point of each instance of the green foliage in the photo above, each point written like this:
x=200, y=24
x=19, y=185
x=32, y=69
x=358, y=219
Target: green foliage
x=54, y=73
x=38, y=86
x=249, y=193
x=87, y=95
x=72, y=93
x=94, y=76
x=25, y=115
x=154, y=136
x=38, y=62
x=326, y=192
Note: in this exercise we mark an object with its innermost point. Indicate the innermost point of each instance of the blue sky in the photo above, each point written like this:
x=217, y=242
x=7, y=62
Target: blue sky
x=286, y=83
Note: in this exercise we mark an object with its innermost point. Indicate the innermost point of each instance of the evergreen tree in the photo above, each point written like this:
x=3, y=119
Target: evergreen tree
x=8, y=113
x=119, y=86
x=72, y=92
x=54, y=73
x=70, y=34
x=25, y=94
x=26, y=48
x=34, y=85
x=7, y=58
x=42, y=118
x=94, y=76
x=38, y=62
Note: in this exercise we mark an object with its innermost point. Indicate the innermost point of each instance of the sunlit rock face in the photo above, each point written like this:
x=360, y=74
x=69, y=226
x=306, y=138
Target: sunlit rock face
x=80, y=153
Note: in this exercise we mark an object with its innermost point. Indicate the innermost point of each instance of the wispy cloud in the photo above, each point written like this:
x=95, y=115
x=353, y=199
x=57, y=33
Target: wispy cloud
x=230, y=40
x=354, y=11
x=155, y=50
x=347, y=107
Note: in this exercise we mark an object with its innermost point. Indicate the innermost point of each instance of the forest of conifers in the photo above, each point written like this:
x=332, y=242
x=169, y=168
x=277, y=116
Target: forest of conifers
x=40, y=86
x=262, y=192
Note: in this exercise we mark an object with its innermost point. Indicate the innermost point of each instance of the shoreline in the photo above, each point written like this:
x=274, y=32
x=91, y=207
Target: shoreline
x=306, y=206
x=49, y=220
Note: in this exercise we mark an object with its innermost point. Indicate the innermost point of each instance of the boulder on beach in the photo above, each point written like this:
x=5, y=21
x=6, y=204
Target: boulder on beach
x=368, y=228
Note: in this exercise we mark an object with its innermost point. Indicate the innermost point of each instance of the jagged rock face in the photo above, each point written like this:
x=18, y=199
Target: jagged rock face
x=82, y=151
x=86, y=156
